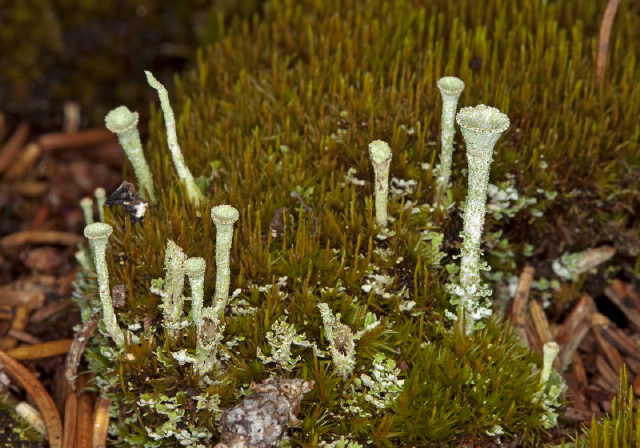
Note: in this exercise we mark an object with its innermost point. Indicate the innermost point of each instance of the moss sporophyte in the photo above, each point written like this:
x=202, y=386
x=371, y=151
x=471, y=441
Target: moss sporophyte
x=289, y=101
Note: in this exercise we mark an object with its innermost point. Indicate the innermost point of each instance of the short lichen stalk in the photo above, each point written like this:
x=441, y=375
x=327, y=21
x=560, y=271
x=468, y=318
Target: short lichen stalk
x=185, y=176
x=223, y=216
x=194, y=268
x=380, y=154
x=481, y=127
x=450, y=88
x=171, y=288
x=101, y=197
x=341, y=341
x=124, y=123
x=86, y=204
x=208, y=330
x=98, y=235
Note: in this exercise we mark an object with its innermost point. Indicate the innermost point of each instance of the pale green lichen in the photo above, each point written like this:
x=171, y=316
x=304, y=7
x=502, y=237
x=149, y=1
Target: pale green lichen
x=570, y=265
x=98, y=235
x=185, y=176
x=101, y=197
x=86, y=204
x=280, y=339
x=171, y=288
x=380, y=155
x=223, y=216
x=481, y=127
x=124, y=123
x=552, y=386
x=341, y=342
x=450, y=88
x=384, y=385
x=195, y=268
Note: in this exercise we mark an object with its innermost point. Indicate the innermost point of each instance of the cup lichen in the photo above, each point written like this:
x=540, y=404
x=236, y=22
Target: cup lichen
x=98, y=235
x=450, y=89
x=124, y=123
x=380, y=155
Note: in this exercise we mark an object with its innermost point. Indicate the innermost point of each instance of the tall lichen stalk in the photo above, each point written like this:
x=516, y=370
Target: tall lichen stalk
x=290, y=103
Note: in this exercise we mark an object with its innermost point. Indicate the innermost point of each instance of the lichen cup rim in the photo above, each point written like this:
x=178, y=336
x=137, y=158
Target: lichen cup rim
x=450, y=84
x=194, y=265
x=483, y=118
x=97, y=230
x=224, y=214
x=121, y=119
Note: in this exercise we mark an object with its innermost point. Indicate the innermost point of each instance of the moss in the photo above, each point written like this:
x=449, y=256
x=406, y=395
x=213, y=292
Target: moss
x=620, y=428
x=288, y=103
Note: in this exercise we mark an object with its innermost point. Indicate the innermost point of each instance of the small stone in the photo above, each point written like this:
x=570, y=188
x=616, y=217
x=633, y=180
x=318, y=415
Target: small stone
x=259, y=420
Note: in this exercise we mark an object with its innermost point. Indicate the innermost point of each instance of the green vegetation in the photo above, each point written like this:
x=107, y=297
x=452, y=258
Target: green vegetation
x=289, y=103
x=621, y=428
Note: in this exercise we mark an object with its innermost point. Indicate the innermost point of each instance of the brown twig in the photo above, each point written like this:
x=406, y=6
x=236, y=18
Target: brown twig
x=20, y=321
x=40, y=237
x=80, y=340
x=603, y=38
x=70, y=417
x=520, y=300
x=63, y=140
x=13, y=146
x=39, y=394
x=84, y=421
x=38, y=351
x=23, y=163
x=101, y=422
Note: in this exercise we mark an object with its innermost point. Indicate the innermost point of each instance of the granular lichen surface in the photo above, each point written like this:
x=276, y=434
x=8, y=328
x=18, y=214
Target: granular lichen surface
x=288, y=102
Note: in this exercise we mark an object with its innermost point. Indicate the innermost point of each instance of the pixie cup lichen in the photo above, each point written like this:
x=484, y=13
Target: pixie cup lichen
x=101, y=197
x=195, y=268
x=86, y=204
x=481, y=126
x=171, y=288
x=380, y=154
x=223, y=216
x=98, y=235
x=450, y=88
x=124, y=123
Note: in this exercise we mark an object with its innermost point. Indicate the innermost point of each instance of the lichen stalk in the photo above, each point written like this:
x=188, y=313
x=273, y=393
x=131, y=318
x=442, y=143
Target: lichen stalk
x=124, y=123
x=101, y=198
x=86, y=204
x=481, y=127
x=195, y=268
x=173, y=288
x=223, y=216
x=185, y=176
x=450, y=89
x=98, y=235
x=549, y=352
x=380, y=155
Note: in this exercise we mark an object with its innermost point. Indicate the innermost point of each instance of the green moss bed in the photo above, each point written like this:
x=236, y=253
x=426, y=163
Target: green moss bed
x=288, y=102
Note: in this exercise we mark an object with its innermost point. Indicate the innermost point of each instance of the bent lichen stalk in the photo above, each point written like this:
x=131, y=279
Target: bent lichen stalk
x=185, y=176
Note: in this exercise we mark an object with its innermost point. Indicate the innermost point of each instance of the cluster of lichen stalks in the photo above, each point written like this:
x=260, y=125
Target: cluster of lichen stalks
x=481, y=127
